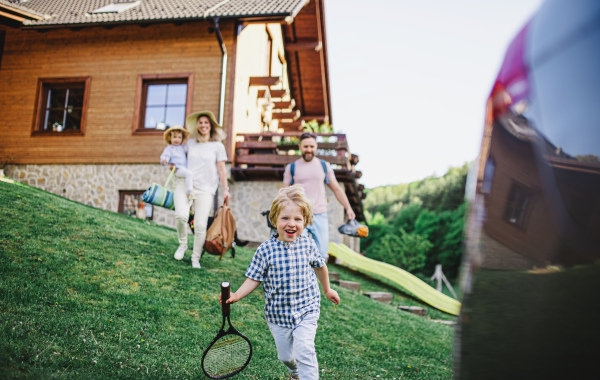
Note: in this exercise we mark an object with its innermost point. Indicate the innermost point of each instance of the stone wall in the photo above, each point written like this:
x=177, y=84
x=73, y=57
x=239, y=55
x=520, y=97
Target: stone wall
x=94, y=185
x=99, y=185
x=495, y=255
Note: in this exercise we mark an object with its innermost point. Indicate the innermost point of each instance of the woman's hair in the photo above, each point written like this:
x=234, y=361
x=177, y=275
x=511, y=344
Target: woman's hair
x=294, y=195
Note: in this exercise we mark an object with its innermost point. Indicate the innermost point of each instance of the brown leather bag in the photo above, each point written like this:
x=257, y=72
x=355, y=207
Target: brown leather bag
x=221, y=233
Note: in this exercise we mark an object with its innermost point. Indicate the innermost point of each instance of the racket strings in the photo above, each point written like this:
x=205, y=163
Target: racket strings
x=227, y=355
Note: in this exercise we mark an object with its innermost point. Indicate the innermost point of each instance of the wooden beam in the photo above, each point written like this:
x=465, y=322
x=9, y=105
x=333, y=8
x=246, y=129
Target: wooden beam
x=319, y=118
x=294, y=115
x=274, y=93
x=291, y=126
x=255, y=145
x=353, y=199
x=285, y=104
x=270, y=135
x=282, y=57
x=304, y=45
x=12, y=16
x=350, y=190
x=18, y=14
x=280, y=160
x=339, y=146
x=265, y=173
x=257, y=174
x=344, y=175
x=264, y=81
x=270, y=145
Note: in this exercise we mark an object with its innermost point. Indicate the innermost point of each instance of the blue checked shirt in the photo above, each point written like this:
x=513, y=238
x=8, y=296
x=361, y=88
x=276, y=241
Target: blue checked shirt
x=289, y=280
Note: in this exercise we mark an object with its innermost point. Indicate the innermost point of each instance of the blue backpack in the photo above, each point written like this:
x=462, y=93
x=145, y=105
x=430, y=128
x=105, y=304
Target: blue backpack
x=293, y=167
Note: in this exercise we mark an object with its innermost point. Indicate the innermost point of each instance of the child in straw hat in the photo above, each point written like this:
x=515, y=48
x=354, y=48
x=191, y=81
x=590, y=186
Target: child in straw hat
x=175, y=154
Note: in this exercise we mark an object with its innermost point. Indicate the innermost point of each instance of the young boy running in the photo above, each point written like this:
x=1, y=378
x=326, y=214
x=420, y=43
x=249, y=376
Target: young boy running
x=289, y=265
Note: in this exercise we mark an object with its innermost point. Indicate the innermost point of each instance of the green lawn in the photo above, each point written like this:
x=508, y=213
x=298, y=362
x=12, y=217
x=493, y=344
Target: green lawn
x=86, y=293
x=527, y=325
x=368, y=284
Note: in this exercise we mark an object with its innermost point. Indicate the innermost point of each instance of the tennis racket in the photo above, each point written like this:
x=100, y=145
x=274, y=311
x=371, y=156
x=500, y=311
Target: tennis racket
x=230, y=352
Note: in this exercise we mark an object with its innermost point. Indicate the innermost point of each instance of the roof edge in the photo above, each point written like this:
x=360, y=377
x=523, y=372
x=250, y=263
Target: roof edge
x=280, y=18
x=297, y=10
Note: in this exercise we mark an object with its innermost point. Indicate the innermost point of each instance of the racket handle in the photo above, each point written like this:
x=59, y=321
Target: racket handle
x=225, y=307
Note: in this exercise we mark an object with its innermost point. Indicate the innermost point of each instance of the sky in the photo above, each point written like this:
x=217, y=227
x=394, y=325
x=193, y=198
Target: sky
x=409, y=79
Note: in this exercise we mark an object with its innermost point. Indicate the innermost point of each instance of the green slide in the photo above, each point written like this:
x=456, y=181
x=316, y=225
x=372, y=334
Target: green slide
x=407, y=281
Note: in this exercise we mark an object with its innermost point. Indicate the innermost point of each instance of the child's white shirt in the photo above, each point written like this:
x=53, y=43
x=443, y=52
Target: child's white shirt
x=175, y=154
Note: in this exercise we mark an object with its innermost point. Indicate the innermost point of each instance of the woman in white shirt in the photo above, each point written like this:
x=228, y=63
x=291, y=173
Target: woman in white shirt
x=206, y=159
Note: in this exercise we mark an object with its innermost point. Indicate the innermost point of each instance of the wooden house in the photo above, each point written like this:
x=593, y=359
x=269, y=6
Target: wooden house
x=517, y=208
x=87, y=88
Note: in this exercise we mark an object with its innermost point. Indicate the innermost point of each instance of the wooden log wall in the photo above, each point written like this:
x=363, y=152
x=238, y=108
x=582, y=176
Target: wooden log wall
x=515, y=164
x=113, y=58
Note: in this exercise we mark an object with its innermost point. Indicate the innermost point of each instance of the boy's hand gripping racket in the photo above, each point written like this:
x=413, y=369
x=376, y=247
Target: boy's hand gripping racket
x=230, y=352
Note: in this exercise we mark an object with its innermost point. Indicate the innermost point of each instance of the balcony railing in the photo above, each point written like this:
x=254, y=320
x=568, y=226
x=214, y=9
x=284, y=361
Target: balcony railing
x=263, y=157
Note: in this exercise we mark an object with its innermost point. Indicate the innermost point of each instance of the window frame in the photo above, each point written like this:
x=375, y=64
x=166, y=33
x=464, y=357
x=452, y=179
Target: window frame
x=489, y=173
x=143, y=80
x=43, y=85
x=521, y=208
x=123, y=193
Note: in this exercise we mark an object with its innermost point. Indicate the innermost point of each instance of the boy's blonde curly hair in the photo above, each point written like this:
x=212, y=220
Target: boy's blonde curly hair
x=292, y=194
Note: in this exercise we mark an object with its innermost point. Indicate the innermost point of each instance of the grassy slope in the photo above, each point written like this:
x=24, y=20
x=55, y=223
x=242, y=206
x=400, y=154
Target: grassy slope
x=399, y=298
x=86, y=293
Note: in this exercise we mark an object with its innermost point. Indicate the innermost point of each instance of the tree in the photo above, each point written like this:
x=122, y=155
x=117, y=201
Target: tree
x=407, y=251
x=418, y=225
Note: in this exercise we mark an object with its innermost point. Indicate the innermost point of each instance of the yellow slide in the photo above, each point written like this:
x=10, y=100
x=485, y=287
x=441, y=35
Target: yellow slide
x=412, y=284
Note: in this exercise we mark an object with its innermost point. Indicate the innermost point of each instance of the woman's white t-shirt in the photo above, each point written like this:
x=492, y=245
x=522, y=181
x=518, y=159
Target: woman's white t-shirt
x=202, y=161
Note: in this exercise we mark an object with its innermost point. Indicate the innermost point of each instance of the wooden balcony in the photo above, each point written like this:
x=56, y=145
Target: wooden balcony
x=263, y=157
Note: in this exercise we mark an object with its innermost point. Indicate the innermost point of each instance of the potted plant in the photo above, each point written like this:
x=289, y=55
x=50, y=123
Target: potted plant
x=314, y=127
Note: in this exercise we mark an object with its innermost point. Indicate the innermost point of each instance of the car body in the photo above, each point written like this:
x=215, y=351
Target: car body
x=531, y=265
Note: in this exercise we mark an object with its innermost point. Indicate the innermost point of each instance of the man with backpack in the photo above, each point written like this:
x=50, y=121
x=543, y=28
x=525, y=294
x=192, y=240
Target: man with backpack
x=314, y=173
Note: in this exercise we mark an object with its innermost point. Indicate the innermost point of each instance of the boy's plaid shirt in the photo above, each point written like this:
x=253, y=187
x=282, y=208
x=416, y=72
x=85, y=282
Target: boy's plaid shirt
x=290, y=283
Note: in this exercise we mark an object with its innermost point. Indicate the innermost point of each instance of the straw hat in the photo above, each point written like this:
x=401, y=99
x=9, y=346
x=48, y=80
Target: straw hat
x=167, y=134
x=216, y=132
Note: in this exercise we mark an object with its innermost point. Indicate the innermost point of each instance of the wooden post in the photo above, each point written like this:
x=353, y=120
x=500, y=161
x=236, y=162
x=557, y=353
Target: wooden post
x=439, y=276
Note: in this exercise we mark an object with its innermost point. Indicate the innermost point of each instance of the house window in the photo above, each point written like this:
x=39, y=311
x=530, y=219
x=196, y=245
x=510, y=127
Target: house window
x=488, y=176
x=517, y=203
x=162, y=101
x=130, y=203
x=61, y=105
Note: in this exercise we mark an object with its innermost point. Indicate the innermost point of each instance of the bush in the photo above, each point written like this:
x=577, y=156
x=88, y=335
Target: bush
x=422, y=218
x=407, y=251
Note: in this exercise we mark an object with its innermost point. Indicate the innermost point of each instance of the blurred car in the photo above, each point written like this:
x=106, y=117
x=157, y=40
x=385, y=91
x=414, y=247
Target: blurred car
x=531, y=271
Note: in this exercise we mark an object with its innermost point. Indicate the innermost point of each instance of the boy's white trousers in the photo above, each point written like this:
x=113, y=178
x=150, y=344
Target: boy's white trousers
x=296, y=347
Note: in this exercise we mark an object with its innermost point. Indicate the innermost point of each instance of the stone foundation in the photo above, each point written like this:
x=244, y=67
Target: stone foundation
x=95, y=185
x=99, y=185
x=499, y=256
